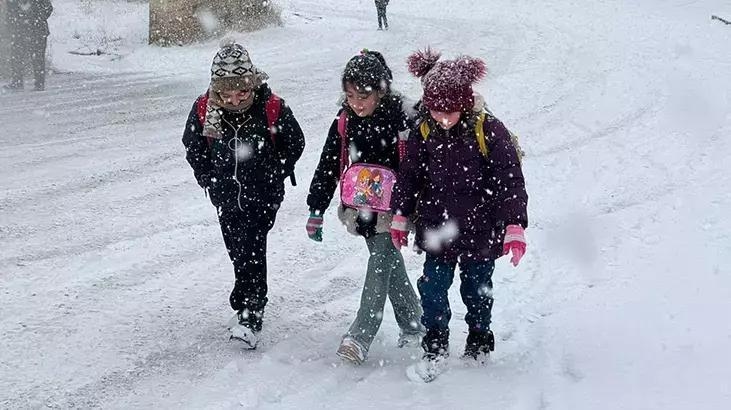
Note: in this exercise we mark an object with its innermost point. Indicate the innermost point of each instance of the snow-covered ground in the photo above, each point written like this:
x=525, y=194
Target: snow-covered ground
x=115, y=281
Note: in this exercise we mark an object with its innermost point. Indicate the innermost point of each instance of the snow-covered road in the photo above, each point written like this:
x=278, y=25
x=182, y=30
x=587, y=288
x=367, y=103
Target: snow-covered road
x=114, y=279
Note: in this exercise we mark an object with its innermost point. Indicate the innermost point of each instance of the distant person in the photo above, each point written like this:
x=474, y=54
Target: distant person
x=381, y=9
x=242, y=142
x=28, y=24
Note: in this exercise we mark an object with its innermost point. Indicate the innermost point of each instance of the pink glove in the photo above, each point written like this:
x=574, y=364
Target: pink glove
x=514, y=241
x=314, y=227
x=399, y=234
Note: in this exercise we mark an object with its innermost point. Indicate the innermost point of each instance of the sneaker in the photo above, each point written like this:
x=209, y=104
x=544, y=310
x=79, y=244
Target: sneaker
x=409, y=339
x=479, y=345
x=245, y=327
x=352, y=351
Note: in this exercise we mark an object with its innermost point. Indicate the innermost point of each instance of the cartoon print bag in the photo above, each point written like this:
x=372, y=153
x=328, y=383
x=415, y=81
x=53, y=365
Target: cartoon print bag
x=367, y=186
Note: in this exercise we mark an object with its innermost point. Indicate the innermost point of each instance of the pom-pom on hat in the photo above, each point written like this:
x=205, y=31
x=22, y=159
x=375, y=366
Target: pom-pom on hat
x=447, y=84
x=232, y=69
x=368, y=72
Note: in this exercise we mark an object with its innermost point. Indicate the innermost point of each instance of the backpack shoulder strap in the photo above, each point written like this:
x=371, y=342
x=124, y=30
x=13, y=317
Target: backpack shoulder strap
x=424, y=129
x=272, y=108
x=480, y=134
x=344, y=144
x=201, y=105
x=489, y=117
x=401, y=150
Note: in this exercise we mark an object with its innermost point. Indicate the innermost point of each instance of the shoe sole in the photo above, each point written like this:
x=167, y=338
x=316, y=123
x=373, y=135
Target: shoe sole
x=247, y=344
x=481, y=359
x=426, y=371
x=247, y=337
x=349, y=354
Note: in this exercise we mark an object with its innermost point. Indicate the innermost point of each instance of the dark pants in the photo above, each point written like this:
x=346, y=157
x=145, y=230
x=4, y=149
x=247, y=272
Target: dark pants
x=476, y=291
x=382, y=20
x=31, y=48
x=245, y=234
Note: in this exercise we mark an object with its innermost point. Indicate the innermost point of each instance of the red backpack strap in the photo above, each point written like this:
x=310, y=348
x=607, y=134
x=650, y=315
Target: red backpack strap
x=272, y=107
x=201, y=108
x=201, y=105
x=344, y=144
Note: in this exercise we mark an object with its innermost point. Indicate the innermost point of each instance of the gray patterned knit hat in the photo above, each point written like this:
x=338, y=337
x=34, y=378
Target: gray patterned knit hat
x=232, y=69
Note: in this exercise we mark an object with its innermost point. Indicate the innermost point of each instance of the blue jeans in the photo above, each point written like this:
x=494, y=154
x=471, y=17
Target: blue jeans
x=476, y=291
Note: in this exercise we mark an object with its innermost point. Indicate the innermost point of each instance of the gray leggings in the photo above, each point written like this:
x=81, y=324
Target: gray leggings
x=385, y=277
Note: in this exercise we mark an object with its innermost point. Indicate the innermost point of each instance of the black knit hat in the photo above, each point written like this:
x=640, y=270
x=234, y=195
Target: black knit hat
x=368, y=72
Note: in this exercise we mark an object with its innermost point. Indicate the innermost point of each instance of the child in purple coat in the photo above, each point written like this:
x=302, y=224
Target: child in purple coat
x=466, y=196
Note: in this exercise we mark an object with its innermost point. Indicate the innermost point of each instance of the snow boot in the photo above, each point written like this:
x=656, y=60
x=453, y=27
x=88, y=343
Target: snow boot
x=479, y=344
x=352, y=351
x=429, y=368
x=245, y=327
x=434, y=361
x=435, y=341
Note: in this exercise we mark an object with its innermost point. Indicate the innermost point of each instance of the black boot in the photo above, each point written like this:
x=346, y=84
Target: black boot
x=245, y=327
x=435, y=343
x=251, y=319
x=434, y=361
x=479, y=343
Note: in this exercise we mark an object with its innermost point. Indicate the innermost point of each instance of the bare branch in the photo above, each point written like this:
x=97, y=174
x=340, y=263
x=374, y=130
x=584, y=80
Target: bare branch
x=722, y=20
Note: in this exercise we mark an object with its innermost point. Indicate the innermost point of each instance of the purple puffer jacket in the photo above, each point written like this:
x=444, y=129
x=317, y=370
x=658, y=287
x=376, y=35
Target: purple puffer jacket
x=459, y=200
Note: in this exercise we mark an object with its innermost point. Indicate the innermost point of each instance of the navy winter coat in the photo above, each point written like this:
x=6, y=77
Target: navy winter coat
x=445, y=177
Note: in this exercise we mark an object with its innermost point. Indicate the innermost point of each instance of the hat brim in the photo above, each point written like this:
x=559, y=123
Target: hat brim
x=248, y=82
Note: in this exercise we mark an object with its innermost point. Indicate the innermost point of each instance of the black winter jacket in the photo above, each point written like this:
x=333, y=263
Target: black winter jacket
x=258, y=176
x=29, y=17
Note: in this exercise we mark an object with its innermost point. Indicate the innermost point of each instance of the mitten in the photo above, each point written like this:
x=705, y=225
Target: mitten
x=314, y=226
x=399, y=233
x=514, y=241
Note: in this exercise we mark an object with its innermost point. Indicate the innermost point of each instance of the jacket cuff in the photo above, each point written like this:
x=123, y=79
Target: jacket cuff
x=514, y=233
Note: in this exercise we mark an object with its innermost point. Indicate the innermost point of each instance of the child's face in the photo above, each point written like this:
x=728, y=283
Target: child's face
x=236, y=97
x=364, y=104
x=445, y=119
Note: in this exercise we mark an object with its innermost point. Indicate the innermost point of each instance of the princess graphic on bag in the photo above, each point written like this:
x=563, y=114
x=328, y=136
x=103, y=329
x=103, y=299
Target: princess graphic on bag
x=363, y=191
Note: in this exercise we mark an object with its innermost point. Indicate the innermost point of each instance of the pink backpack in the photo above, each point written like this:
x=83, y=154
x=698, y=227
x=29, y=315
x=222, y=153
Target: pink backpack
x=364, y=186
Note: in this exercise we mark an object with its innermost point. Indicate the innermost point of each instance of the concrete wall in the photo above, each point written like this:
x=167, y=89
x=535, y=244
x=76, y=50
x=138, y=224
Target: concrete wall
x=174, y=22
x=178, y=22
x=4, y=42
